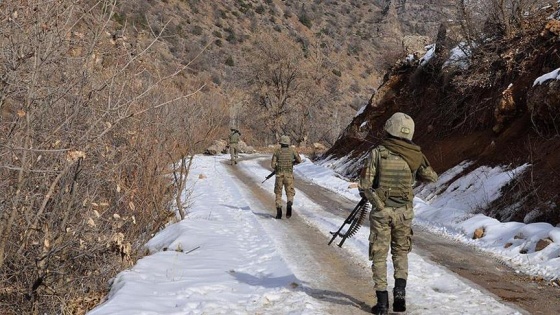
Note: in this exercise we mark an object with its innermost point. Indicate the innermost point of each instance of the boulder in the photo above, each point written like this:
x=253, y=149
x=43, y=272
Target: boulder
x=244, y=148
x=222, y=147
x=543, y=103
x=414, y=44
x=552, y=28
x=542, y=244
x=219, y=146
x=478, y=233
x=318, y=147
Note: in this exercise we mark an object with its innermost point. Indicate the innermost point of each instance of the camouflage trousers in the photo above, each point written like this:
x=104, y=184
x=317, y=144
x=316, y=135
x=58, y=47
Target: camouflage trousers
x=233, y=152
x=286, y=181
x=390, y=228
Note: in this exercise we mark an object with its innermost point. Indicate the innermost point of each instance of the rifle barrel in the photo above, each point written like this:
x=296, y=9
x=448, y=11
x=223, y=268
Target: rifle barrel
x=269, y=176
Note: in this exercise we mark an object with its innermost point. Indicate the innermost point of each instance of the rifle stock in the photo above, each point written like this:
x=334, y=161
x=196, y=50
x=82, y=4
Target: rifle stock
x=351, y=219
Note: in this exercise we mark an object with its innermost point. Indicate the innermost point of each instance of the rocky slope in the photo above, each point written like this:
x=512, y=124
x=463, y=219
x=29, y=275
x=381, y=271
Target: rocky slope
x=349, y=43
x=498, y=111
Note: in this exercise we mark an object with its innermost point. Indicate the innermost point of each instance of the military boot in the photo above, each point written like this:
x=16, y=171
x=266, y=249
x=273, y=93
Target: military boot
x=279, y=213
x=382, y=306
x=399, y=302
x=289, y=209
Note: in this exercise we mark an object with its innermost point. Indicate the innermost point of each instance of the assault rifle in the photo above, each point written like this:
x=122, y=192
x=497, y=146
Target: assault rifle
x=269, y=176
x=354, y=219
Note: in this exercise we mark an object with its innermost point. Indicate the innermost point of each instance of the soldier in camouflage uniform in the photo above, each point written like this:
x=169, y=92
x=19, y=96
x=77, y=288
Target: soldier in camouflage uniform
x=283, y=161
x=234, y=145
x=386, y=181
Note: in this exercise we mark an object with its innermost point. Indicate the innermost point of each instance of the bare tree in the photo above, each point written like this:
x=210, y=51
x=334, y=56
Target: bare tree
x=480, y=18
x=90, y=124
x=286, y=95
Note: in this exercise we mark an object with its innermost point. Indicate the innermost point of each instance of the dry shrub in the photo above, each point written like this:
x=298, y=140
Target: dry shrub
x=543, y=103
x=90, y=123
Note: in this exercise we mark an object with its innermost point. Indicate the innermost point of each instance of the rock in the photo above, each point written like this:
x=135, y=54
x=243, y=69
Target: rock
x=319, y=147
x=478, y=233
x=552, y=28
x=543, y=103
x=415, y=44
x=542, y=244
x=244, y=148
x=505, y=110
x=219, y=146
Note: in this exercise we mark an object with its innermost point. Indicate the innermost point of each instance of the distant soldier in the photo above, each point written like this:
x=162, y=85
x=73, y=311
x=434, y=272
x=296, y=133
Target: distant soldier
x=386, y=181
x=283, y=161
x=234, y=145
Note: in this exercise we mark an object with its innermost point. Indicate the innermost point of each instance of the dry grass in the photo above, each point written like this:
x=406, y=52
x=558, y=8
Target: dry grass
x=90, y=123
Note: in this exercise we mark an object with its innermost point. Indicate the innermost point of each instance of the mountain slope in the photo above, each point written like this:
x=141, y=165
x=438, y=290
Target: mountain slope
x=344, y=46
x=497, y=111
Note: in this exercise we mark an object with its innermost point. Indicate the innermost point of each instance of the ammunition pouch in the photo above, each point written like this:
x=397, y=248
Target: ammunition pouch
x=385, y=193
x=380, y=197
x=375, y=199
x=280, y=169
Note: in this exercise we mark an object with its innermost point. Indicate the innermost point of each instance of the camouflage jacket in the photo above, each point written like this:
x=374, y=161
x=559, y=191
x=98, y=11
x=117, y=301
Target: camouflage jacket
x=234, y=137
x=284, y=159
x=391, y=170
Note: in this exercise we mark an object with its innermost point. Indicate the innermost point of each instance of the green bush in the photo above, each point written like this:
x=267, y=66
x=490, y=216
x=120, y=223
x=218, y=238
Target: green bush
x=230, y=62
x=119, y=18
x=216, y=79
x=260, y=9
x=231, y=35
x=305, y=20
x=197, y=30
x=244, y=7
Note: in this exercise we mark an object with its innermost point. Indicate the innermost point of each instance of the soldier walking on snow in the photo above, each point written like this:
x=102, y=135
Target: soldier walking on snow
x=283, y=161
x=386, y=181
x=234, y=145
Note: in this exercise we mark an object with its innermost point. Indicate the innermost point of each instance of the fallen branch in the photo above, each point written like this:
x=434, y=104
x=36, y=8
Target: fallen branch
x=192, y=250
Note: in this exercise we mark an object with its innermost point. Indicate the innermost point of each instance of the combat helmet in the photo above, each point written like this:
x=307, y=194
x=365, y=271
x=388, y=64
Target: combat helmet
x=285, y=140
x=400, y=125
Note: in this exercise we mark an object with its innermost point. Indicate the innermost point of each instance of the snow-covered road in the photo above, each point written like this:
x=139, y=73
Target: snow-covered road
x=246, y=262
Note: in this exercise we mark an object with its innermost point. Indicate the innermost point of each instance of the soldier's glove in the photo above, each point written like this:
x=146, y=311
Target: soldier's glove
x=362, y=194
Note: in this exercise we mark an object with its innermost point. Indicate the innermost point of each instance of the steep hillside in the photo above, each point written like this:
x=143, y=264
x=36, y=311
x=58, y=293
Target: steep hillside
x=340, y=50
x=499, y=110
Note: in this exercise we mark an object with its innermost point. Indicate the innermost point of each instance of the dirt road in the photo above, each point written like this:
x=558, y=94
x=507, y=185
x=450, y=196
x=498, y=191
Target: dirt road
x=352, y=287
x=342, y=282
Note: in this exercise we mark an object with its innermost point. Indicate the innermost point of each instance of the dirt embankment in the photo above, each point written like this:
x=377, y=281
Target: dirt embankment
x=492, y=113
